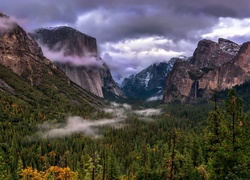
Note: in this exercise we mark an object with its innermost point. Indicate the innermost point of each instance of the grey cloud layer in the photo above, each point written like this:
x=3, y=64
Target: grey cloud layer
x=128, y=19
x=119, y=25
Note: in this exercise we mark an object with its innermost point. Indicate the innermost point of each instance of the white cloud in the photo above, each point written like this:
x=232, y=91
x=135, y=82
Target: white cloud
x=228, y=28
x=147, y=48
x=154, y=98
x=6, y=24
x=148, y=112
x=88, y=60
x=131, y=56
x=76, y=124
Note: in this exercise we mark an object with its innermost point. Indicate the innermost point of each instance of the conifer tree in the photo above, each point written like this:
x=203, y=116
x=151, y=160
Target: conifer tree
x=227, y=147
x=3, y=171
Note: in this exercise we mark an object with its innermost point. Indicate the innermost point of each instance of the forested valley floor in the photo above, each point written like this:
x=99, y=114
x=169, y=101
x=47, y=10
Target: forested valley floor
x=205, y=140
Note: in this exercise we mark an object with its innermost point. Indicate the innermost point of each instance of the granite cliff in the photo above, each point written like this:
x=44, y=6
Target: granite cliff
x=26, y=74
x=213, y=67
x=78, y=58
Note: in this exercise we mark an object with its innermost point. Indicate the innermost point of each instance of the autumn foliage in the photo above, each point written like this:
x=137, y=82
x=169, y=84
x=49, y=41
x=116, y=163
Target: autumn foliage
x=53, y=172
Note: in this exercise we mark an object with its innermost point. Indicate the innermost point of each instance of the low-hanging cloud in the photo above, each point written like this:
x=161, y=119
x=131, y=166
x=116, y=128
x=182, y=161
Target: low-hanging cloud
x=155, y=98
x=77, y=124
x=119, y=110
x=6, y=24
x=148, y=112
x=88, y=60
x=91, y=128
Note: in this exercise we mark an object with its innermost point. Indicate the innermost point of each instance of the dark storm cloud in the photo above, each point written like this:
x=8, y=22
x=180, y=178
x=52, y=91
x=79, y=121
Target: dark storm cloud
x=34, y=14
x=112, y=25
x=218, y=11
x=128, y=18
x=223, y=8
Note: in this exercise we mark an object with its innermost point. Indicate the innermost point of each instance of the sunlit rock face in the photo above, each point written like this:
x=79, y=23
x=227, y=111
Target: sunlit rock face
x=32, y=78
x=76, y=55
x=20, y=53
x=213, y=67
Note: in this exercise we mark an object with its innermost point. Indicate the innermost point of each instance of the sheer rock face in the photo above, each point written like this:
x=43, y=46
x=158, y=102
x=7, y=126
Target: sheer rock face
x=21, y=53
x=88, y=79
x=178, y=82
x=214, y=66
x=72, y=41
x=89, y=72
x=212, y=54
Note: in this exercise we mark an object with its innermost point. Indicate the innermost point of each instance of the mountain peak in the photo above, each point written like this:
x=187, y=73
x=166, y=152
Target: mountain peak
x=222, y=40
x=211, y=54
x=71, y=40
x=31, y=80
x=3, y=15
x=64, y=29
x=214, y=66
x=228, y=46
x=149, y=82
x=78, y=58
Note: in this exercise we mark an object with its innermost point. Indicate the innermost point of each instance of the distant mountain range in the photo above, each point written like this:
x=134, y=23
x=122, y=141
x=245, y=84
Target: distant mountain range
x=149, y=83
x=79, y=76
x=214, y=66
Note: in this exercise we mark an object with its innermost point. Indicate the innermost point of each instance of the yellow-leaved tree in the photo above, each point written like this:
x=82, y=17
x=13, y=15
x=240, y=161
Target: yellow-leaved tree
x=52, y=173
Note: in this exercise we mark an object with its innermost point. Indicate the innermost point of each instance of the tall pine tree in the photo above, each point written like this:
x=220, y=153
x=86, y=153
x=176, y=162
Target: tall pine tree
x=226, y=139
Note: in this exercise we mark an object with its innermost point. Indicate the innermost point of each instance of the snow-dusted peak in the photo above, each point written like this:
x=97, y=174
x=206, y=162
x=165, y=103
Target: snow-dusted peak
x=182, y=57
x=149, y=82
x=228, y=46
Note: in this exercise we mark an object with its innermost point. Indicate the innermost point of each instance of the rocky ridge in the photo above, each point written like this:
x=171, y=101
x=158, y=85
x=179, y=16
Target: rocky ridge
x=149, y=83
x=22, y=59
x=20, y=52
x=213, y=67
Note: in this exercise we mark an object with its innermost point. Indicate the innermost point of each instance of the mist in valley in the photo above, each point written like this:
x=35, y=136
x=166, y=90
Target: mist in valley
x=92, y=128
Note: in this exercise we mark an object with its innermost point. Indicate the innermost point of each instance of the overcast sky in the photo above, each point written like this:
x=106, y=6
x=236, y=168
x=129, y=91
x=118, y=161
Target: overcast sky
x=133, y=34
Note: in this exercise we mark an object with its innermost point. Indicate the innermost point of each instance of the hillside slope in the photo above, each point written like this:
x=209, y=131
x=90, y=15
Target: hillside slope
x=31, y=80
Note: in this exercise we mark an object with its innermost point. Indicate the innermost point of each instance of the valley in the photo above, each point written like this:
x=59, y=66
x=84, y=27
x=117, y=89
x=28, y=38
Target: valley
x=64, y=117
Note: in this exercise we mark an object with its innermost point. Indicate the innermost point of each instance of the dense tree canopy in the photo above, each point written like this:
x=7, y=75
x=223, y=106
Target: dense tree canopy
x=198, y=141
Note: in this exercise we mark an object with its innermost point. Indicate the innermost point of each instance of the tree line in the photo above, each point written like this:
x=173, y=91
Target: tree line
x=199, y=141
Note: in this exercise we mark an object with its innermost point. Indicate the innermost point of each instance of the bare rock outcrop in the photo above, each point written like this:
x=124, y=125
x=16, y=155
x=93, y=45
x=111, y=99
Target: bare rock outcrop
x=21, y=53
x=213, y=67
x=79, y=59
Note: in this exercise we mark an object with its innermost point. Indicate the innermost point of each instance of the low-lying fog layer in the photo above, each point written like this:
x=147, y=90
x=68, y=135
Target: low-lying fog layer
x=76, y=124
x=148, y=112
